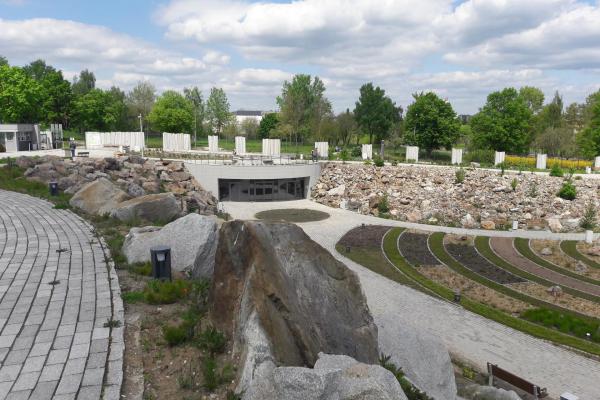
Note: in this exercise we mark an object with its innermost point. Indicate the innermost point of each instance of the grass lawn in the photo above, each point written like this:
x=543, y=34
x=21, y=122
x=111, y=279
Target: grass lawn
x=570, y=249
x=292, y=215
x=12, y=179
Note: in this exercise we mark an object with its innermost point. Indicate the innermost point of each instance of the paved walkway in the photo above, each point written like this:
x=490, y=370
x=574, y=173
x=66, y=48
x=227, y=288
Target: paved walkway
x=467, y=335
x=56, y=295
x=504, y=247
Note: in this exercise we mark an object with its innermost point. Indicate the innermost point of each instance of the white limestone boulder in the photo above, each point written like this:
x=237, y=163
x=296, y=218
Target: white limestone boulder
x=193, y=241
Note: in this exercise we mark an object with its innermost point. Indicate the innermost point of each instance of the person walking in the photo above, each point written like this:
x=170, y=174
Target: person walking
x=72, y=146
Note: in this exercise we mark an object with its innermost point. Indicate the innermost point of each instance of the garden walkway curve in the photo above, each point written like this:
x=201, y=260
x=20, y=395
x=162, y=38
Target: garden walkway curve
x=60, y=306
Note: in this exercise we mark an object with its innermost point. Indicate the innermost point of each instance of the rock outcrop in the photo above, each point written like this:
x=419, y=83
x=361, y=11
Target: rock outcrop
x=478, y=392
x=162, y=207
x=484, y=199
x=285, y=299
x=333, y=377
x=193, y=242
x=99, y=197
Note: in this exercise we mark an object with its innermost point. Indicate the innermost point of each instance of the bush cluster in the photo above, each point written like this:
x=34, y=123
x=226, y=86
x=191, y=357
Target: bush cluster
x=567, y=191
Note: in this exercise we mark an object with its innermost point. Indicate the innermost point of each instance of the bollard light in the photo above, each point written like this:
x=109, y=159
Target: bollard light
x=457, y=296
x=53, y=187
x=348, y=249
x=161, y=262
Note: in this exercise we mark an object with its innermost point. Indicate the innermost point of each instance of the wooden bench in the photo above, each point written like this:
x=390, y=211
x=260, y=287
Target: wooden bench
x=495, y=371
x=83, y=154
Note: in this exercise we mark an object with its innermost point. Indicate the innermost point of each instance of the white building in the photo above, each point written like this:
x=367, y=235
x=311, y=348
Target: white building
x=243, y=115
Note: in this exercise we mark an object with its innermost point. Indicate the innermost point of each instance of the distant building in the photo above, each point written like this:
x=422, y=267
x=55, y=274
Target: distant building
x=464, y=118
x=20, y=137
x=243, y=115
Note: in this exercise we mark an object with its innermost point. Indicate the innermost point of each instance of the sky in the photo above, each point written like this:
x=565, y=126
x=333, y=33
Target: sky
x=461, y=50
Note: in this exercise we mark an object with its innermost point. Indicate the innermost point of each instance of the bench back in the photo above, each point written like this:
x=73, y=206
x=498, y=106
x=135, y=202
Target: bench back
x=516, y=381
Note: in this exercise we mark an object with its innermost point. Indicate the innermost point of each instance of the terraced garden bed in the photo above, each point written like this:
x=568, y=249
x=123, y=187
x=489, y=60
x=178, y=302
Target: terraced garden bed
x=588, y=251
x=469, y=257
x=560, y=259
x=413, y=247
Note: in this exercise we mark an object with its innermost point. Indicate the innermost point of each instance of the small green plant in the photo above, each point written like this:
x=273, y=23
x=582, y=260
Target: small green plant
x=144, y=269
x=459, y=175
x=212, y=340
x=383, y=204
x=513, y=184
x=132, y=297
x=588, y=221
x=174, y=335
x=368, y=162
x=112, y=323
x=344, y=156
x=356, y=151
x=411, y=392
x=567, y=191
x=378, y=161
x=502, y=166
x=210, y=374
x=394, y=163
x=468, y=372
x=166, y=292
x=533, y=190
x=231, y=395
x=556, y=170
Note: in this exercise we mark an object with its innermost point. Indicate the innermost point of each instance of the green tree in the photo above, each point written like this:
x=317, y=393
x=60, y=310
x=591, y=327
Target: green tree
x=3, y=61
x=375, y=112
x=588, y=140
x=194, y=95
x=57, y=93
x=217, y=110
x=267, y=124
x=574, y=117
x=346, y=124
x=431, y=122
x=504, y=123
x=533, y=97
x=141, y=99
x=172, y=112
x=303, y=105
x=116, y=116
x=85, y=82
x=101, y=110
x=249, y=127
x=21, y=97
x=38, y=69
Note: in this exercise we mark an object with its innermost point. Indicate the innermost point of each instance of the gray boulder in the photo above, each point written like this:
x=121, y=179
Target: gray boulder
x=162, y=207
x=99, y=197
x=193, y=242
x=423, y=357
x=284, y=299
x=135, y=190
x=477, y=392
x=333, y=377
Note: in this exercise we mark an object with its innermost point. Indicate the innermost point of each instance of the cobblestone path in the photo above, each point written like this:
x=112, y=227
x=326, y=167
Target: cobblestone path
x=56, y=299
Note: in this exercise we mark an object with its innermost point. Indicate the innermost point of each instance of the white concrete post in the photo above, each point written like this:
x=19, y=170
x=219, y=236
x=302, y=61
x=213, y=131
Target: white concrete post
x=499, y=157
x=589, y=236
x=412, y=153
x=240, y=145
x=515, y=225
x=367, y=151
x=597, y=162
x=271, y=147
x=457, y=156
x=540, y=161
x=213, y=144
x=588, y=170
x=322, y=149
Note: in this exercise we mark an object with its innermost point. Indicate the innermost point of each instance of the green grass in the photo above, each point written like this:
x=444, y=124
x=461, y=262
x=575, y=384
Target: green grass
x=166, y=292
x=564, y=323
x=487, y=311
x=292, y=215
x=13, y=179
x=522, y=246
x=133, y=297
x=482, y=243
x=570, y=249
x=174, y=335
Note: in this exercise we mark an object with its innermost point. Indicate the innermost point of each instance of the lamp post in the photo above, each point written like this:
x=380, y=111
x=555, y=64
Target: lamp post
x=142, y=130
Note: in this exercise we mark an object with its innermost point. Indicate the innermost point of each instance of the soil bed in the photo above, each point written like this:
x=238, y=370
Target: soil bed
x=559, y=258
x=413, y=247
x=364, y=236
x=468, y=256
x=292, y=215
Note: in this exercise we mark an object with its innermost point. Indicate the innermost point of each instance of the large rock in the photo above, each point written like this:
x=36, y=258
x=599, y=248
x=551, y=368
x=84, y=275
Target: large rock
x=99, y=197
x=333, y=377
x=193, y=242
x=478, y=392
x=285, y=299
x=162, y=207
x=422, y=356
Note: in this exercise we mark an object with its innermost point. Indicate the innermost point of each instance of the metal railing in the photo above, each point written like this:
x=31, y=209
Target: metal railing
x=229, y=159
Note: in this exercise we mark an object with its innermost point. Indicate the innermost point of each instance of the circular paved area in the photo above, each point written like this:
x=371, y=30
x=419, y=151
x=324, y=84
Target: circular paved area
x=56, y=296
x=465, y=334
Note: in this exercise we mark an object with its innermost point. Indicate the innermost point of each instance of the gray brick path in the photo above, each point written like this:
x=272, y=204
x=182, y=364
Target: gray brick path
x=56, y=294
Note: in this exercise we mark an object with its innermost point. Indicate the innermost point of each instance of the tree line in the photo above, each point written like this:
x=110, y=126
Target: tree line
x=517, y=121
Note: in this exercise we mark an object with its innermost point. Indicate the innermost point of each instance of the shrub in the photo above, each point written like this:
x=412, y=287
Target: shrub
x=513, y=184
x=368, y=162
x=588, y=221
x=394, y=163
x=344, y=156
x=481, y=156
x=210, y=374
x=144, y=269
x=174, y=335
x=533, y=191
x=165, y=292
x=212, y=340
x=502, y=166
x=378, y=161
x=132, y=297
x=556, y=170
x=563, y=323
x=460, y=175
x=383, y=204
x=356, y=151
x=567, y=191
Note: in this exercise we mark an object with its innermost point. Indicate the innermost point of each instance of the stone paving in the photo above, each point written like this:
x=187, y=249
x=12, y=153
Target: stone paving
x=467, y=335
x=57, y=294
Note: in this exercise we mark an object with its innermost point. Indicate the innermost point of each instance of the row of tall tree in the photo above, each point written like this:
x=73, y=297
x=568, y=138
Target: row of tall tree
x=38, y=92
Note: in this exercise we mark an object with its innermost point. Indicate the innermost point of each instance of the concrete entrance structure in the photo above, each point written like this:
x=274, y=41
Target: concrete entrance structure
x=240, y=145
x=322, y=149
x=412, y=153
x=271, y=147
x=20, y=137
x=176, y=142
